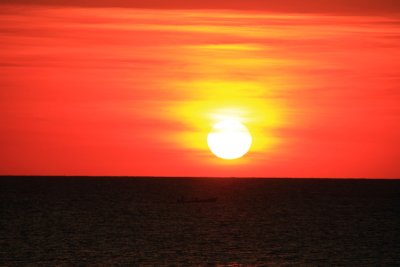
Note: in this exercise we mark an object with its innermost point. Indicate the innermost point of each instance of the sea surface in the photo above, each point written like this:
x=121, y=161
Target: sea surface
x=114, y=221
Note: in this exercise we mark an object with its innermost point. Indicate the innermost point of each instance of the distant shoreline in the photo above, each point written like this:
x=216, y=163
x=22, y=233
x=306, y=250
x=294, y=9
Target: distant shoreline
x=189, y=177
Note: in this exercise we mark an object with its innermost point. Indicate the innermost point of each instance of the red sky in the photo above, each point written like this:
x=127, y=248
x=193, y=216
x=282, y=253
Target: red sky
x=89, y=90
x=319, y=6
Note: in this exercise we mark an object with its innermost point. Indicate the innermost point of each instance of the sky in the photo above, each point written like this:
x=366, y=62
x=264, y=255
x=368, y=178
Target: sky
x=90, y=88
x=295, y=6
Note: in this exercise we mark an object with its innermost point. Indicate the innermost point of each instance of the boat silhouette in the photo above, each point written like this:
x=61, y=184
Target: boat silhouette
x=183, y=200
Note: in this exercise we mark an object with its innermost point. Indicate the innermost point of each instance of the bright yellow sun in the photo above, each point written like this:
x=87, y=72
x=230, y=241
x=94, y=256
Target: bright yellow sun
x=229, y=139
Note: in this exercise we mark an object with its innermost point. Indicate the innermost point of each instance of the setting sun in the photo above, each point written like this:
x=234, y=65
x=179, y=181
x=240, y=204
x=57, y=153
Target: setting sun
x=229, y=139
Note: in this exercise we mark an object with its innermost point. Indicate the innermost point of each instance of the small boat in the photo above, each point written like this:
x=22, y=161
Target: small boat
x=197, y=200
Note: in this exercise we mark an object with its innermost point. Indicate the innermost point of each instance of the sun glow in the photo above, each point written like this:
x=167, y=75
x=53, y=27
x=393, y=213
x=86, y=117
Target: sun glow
x=229, y=139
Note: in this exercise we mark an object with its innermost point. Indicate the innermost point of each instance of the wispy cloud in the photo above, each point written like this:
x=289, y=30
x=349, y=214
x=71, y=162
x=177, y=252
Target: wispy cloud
x=292, y=6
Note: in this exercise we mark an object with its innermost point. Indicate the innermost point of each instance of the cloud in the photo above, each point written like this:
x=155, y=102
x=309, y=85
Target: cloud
x=308, y=6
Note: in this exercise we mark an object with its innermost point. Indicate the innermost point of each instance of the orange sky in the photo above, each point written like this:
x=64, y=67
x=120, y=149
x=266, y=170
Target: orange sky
x=127, y=91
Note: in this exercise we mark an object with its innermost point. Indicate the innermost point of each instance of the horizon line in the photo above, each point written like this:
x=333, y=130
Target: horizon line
x=193, y=177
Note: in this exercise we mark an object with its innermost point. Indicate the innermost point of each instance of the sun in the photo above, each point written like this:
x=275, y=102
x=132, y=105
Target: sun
x=229, y=139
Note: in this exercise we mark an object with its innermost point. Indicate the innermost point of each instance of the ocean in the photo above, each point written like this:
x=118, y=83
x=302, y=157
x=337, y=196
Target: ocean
x=117, y=221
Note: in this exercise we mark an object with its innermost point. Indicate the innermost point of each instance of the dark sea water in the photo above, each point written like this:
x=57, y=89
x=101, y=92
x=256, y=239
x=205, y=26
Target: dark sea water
x=57, y=221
